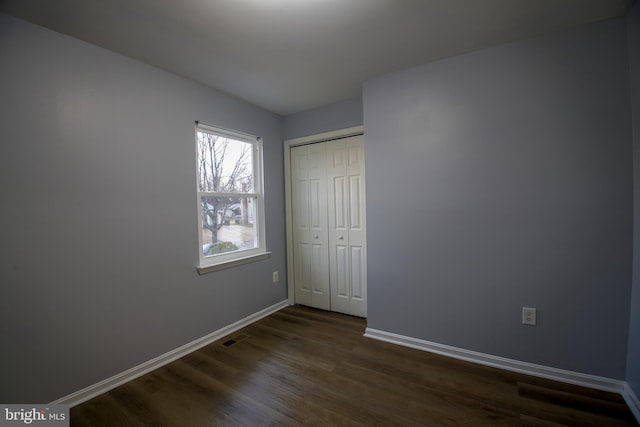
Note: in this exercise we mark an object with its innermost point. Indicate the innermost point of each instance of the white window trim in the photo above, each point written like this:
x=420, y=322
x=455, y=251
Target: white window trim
x=232, y=259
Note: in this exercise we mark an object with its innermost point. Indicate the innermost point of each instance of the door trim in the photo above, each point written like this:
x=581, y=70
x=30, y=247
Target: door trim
x=288, y=144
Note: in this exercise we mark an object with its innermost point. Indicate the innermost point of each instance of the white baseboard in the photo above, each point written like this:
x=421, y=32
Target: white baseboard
x=632, y=401
x=146, y=367
x=577, y=378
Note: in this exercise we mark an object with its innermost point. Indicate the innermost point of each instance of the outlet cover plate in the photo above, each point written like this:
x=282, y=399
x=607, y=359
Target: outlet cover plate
x=529, y=316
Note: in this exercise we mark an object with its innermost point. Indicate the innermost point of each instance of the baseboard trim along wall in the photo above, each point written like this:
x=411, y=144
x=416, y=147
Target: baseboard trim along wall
x=586, y=380
x=632, y=401
x=137, y=371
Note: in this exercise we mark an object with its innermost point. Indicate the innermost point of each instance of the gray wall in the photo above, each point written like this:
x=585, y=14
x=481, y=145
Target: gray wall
x=633, y=358
x=99, y=240
x=340, y=115
x=502, y=179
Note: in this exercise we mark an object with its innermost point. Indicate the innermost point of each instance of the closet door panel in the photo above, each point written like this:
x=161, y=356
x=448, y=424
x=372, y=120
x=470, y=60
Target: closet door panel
x=347, y=236
x=357, y=226
x=342, y=271
x=309, y=202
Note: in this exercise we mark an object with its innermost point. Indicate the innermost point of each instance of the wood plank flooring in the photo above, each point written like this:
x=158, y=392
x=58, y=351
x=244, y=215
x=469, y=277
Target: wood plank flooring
x=302, y=366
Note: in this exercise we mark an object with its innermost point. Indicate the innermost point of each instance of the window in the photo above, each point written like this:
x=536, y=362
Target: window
x=230, y=200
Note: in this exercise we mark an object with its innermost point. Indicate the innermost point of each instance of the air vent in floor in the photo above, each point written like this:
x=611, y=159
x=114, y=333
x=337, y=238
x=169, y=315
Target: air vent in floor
x=235, y=340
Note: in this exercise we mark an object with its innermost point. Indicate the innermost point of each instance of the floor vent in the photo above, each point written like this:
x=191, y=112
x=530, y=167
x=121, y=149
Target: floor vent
x=235, y=340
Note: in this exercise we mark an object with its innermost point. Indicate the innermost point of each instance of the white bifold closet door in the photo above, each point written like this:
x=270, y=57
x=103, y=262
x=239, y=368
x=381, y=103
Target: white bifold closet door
x=310, y=234
x=329, y=225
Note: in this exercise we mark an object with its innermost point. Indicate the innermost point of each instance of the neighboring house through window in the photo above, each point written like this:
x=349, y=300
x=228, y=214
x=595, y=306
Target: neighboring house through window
x=230, y=196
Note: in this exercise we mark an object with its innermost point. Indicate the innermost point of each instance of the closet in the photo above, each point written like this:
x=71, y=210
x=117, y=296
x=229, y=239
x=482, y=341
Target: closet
x=329, y=225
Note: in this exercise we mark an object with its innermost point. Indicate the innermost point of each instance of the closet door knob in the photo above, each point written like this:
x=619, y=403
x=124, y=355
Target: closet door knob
x=315, y=237
x=340, y=237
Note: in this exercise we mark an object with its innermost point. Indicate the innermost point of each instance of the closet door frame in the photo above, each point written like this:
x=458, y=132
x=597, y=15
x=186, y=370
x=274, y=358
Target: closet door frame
x=288, y=144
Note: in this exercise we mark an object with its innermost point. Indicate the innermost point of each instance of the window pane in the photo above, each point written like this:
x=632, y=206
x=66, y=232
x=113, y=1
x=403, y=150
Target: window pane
x=224, y=165
x=228, y=224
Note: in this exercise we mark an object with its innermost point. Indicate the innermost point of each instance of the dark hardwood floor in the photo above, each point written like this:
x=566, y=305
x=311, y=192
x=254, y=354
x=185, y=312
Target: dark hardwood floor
x=302, y=366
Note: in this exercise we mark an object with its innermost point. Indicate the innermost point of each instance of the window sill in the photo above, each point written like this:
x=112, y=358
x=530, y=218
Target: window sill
x=232, y=263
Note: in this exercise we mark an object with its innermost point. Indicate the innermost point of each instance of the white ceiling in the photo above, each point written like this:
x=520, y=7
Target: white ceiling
x=292, y=55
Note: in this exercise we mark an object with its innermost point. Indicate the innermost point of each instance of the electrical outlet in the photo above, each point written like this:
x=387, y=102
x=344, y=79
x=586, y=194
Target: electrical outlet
x=275, y=276
x=529, y=316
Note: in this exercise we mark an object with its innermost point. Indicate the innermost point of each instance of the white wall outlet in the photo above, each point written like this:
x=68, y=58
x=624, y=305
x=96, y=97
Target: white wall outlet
x=275, y=276
x=529, y=316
